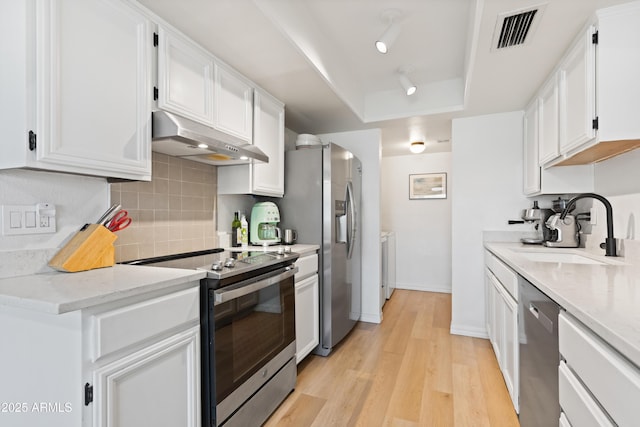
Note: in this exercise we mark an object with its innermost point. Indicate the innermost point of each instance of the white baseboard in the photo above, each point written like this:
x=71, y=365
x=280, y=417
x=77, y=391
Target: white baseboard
x=446, y=289
x=371, y=317
x=469, y=331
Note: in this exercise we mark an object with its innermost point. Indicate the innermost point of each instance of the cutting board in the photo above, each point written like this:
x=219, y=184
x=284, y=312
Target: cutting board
x=91, y=247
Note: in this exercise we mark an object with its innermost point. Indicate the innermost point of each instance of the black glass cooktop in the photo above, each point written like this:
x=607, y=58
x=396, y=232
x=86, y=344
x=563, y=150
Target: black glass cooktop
x=220, y=263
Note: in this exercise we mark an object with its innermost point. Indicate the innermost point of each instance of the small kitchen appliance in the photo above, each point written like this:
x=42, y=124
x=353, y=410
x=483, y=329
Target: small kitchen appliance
x=264, y=230
x=564, y=232
x=538, y=217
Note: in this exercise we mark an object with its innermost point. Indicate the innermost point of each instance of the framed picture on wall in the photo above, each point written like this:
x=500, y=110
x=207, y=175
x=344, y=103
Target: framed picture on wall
x=428, y=186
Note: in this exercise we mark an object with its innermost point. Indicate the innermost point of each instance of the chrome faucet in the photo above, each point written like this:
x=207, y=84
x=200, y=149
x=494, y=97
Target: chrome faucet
x=610, y=241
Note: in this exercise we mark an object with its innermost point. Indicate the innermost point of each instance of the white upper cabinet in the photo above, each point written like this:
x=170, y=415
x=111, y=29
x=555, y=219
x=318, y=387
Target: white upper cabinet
x=194, y=84
x=233, y=103
x=531, y=168
x=265, y=179
x=81, y=86
x=185, y=77
x=548, y=104
x=269, y=137
x=577, y=93
x=598, y=91
x=537, y=180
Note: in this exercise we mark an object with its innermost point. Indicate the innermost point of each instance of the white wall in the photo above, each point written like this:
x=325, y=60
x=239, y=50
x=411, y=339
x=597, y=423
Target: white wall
x=422, y=227
x=366, y=145
x=78, y=200
x=487, y=191
x=618, y=179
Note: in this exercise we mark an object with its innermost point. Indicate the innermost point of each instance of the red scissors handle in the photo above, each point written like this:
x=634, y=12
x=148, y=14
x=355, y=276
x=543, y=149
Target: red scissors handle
x=120, y=221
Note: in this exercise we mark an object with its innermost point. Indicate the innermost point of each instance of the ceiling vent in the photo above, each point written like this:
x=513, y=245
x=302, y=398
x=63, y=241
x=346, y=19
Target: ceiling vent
x=516, y=28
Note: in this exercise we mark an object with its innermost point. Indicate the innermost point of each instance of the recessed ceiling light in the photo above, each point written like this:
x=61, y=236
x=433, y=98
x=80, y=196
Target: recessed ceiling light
x=417, y=147
x=203, y=146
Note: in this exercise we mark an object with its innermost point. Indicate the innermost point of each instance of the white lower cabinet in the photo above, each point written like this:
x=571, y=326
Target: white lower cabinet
x=146, y=362
x=501, y=310
x=157, y=385
x=134, y=362
x=598, y=386
x=307, y=306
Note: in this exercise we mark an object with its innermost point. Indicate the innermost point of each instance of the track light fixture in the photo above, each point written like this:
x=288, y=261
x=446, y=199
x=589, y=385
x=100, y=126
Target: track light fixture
x=407, y=85
x=387, y=38
x=417, y=147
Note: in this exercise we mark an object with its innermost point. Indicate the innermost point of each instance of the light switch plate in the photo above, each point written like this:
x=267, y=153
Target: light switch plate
x=32, y=219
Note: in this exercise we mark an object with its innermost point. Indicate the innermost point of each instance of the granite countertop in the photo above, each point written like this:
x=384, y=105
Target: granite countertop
x=58, y=292
x=604, y=297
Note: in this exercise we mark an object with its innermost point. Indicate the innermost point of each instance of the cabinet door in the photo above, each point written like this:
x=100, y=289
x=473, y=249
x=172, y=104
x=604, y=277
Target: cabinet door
x=489, y=306
x=577, y=94
x=185, y=78
x=268, y=178
x=93, y=80
x=548, y=122
x=531, y=169
x=156, y=386
x=510, y=366
x=233, y=103
x=307, y=317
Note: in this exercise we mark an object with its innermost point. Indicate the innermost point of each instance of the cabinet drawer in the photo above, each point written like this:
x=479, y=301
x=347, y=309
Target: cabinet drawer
x=577, y=403
x=610, y=378
x=504, y=274
x=306, y=266
x=116, y=329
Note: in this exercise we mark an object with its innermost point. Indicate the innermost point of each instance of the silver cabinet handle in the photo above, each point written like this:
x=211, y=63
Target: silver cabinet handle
x=243, y=288
x=544, y=320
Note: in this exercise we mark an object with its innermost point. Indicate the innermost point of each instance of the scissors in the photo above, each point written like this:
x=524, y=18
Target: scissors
x=120, y=221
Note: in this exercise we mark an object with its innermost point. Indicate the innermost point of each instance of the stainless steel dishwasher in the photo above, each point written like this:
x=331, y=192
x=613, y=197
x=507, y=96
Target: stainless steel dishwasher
x=539, y=357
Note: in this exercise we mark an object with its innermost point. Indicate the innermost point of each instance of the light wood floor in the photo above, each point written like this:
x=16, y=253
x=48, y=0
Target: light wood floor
x=407, y=371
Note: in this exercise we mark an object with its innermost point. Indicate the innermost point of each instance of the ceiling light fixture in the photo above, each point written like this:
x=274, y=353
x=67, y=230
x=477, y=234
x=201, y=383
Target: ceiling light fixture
x=417, y=147
x=387, y=38
x=407, y=85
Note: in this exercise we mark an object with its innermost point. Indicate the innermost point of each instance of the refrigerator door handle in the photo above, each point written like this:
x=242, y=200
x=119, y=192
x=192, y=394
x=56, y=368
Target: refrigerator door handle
x=352, y=226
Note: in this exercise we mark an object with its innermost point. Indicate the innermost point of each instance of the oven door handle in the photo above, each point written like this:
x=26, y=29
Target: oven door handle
x=239, y=290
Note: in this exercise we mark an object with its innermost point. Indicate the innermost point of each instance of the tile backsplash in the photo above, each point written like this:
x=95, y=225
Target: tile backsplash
x=174, y=212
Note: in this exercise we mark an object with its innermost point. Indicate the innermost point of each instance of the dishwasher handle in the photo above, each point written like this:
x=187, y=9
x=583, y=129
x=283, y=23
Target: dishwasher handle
x=540, y=317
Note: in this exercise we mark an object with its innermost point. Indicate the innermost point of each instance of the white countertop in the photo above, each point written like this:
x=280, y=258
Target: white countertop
x=606, y=298
x=59, y=292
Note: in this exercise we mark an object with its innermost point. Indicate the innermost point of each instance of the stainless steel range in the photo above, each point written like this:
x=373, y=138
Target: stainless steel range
x=247, y=312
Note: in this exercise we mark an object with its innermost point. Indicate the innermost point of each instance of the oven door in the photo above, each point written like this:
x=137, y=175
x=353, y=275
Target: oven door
x=254, y=324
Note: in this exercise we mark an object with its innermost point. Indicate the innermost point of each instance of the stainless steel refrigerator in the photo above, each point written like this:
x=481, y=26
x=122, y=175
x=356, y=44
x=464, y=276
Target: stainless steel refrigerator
x=322, y=202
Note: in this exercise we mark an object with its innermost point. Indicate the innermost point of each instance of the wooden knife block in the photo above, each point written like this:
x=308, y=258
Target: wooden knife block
x=91, y=247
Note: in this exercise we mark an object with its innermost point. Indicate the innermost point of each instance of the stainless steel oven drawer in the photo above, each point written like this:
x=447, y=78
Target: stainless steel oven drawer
x=262, y=404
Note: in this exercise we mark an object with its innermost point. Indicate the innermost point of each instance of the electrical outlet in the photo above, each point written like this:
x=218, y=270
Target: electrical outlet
x=594, y=217
x=33, y=219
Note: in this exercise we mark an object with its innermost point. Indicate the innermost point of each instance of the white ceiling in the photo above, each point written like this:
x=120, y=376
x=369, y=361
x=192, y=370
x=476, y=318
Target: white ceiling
x=318, y=57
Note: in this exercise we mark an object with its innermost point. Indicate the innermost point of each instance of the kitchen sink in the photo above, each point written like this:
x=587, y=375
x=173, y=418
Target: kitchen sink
x=561, y=257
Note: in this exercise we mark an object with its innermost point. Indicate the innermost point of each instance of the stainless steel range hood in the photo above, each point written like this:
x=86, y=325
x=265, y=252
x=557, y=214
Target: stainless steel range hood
x=181, y=137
